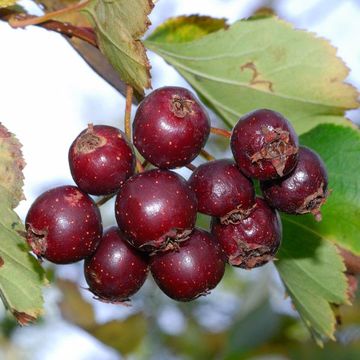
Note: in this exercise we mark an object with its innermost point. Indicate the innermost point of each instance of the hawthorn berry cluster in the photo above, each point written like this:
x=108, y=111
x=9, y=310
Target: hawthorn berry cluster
x=156, y=209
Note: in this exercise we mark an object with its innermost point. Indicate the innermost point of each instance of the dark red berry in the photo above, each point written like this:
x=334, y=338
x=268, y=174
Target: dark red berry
x=101, y=159
x=63, y=225
x=155, y=209
x=193, y=270
x=302, y=191
x=222, y=190
x=264, y=145
x=253, y=241
x=116, y=270
x=170, y=127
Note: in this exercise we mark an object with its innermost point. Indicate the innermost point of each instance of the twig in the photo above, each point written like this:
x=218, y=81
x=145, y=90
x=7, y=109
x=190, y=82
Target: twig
x=191, y=167
x=221, y=132
x=206, y=155
x=129, y=95
x=21, y=21
x=104, y=199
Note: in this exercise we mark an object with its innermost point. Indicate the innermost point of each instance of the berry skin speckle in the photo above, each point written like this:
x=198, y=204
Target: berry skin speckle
x=101, y=159
x=116, y=270
x=253, y=241
x=304, y=190
x=264, y=145
x=156, y=209
x=170, y=127
x=194, y=269
x=63, y=225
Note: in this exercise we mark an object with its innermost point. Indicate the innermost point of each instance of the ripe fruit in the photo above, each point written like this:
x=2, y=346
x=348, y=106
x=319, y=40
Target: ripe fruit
x=253, y=241
x=170, y=127
x=222, y=190
x=304, y=190
x=63, y=225
x=193, y=270
x=264, y=145
x=156, y=209
x=116, y=270
x=101, y=159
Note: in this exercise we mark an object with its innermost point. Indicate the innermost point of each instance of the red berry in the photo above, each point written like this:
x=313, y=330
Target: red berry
x=304, y=190
x=170, y=127
x=101, y=159
x=193, y=270
x=116, y=270
x=155, y=209
x=264, y=145
x=253, y=241
x=63, y=225
x=222, y=190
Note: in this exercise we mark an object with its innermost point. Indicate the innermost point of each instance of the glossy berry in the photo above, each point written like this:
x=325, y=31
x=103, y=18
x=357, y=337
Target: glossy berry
x=253, y=241
x=155, y=209
x=304, y=190
x=116, y=270
x=264, y=145
x=101, y=159
x=170, y=127
x=63, y=225
x=193, y=270
x=222, y=190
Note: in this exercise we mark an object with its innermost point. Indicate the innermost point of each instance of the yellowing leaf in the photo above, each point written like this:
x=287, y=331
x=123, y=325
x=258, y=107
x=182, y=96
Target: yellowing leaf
x=11, y=165
x=187, y=28
x=21, y=276
x=262, y=62
x=6, y=3
x=119, y=24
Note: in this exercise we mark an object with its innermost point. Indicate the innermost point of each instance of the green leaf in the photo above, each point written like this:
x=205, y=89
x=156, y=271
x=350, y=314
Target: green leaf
x=339, y=147
x=21, y=276
x=119, y=25
x=313, y=274
x=186, y=28
x=263, y=62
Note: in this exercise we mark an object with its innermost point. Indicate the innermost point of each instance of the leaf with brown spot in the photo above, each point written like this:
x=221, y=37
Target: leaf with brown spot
x=261, y=62
x=119, y=25
x=11, y=165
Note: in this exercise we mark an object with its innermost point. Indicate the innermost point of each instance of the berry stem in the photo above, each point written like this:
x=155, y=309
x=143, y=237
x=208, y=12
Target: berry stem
x=221, y=132
x=104, y=199
x=206, y=155
x=17, y=21
x=129, y=95
x=139, y=166
x=191, y=167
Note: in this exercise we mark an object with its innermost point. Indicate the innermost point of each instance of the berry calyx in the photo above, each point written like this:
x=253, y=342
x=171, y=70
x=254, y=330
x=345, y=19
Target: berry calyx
x=304, y=190
x=101, y=159
x=116, y=270
x=264, y=145
x=223, y=191
x=156, y=210
x=253, y=241
x=170, y=127
x=194, y=269
x=63, y=225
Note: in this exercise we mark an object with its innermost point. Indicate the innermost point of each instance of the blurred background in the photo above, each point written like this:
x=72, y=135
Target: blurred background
x=48, y=95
